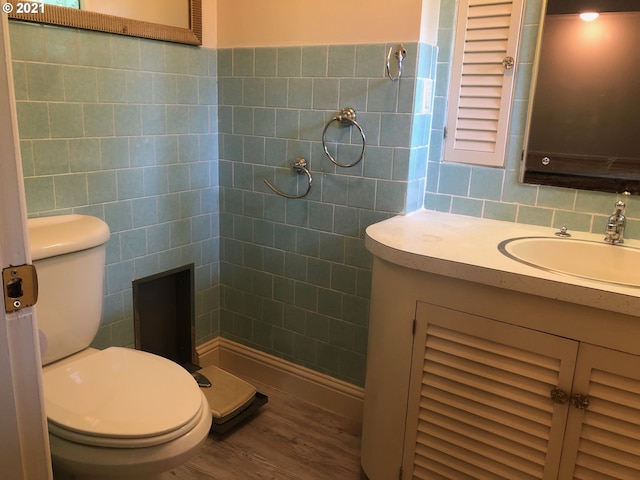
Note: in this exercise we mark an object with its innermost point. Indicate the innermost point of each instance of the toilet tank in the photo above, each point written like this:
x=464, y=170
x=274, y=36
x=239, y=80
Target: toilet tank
x=68, y=252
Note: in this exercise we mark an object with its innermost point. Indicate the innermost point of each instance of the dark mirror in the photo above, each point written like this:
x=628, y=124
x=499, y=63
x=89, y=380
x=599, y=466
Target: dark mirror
x=584, y=124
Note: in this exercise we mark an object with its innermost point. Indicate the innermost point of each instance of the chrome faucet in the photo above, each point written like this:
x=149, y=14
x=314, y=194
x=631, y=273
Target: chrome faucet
x=616, y=224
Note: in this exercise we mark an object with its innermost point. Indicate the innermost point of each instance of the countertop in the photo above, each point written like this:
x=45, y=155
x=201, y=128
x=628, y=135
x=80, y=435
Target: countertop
x=467, y=248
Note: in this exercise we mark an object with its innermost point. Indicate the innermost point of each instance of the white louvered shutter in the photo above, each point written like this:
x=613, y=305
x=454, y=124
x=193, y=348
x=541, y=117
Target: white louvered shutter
x=603, y=441
x=480, y=404
x=481, y=88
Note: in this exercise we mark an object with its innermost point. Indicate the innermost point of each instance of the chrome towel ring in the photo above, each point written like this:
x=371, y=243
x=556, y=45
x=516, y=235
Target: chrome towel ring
x=345, y=118
x=400, y=53
x=299, y=166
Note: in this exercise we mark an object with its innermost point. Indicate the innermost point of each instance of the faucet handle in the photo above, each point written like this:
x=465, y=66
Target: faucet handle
x=616, y=225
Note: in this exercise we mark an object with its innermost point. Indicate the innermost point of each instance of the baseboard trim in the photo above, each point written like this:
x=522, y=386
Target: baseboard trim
x=317, y=388
x=209, y=353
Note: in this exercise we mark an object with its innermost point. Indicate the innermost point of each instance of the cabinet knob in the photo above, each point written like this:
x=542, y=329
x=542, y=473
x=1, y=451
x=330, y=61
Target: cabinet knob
x=559, y=396
x=508, y=63
x=580, y=401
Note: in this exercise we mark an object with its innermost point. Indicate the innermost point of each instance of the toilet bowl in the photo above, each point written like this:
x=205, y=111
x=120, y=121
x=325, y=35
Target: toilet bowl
x=122, y=413
x=116, y=413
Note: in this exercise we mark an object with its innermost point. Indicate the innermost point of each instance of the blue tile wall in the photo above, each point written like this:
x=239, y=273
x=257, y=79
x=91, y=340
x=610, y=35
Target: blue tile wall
x=295, y=275
x=124, y=129
x=170, y=145
x=496, y=193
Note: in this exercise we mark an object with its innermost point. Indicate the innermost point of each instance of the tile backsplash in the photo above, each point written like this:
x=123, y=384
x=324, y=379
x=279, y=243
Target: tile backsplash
x=170, y=144
x=295, y=275
x=495, y=193
x=124, y=129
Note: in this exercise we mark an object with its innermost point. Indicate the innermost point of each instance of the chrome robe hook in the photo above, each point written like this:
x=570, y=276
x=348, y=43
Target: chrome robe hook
x=299, y=166
x=345, y=118
x=400, y=53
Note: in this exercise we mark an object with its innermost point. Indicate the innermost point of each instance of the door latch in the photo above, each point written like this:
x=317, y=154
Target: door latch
x=20, y=286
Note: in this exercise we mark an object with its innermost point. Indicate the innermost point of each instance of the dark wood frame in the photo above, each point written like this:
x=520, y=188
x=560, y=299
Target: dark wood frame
x=604, y=174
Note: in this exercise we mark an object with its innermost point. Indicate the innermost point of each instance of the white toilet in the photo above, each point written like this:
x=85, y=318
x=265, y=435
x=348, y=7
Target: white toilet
x=115, y=413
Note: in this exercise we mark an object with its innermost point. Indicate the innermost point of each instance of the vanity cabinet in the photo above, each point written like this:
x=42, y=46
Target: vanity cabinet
x=480, y=403
x=460, y=378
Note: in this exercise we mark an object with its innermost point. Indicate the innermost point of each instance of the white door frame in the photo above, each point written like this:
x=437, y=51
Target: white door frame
x=24, y=443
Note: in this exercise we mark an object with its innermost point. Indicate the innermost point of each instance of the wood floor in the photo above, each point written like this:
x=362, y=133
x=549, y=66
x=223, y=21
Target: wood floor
x=286, y=439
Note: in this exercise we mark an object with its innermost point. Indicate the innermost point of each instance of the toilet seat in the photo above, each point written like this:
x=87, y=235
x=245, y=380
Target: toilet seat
x=122, y=398
x=120, y=442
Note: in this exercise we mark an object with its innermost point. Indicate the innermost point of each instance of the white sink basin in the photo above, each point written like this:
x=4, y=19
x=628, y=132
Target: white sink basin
x=617, y=264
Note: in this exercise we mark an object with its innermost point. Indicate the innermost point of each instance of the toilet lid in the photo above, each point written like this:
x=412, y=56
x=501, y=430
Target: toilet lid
x=121, y=393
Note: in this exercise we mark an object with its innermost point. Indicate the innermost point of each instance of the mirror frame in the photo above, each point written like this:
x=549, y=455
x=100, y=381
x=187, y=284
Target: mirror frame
x=70, y=17
x=567, y=176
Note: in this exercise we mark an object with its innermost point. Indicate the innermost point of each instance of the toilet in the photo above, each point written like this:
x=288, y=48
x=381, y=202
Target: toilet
x=116, y=413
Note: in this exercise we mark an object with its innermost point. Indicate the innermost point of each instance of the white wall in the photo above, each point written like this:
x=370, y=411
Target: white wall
x=251, y=23
x=210, y=23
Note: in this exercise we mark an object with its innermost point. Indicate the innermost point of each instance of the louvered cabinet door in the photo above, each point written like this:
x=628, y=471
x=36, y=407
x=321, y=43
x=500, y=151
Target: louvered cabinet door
x=479, y=400
x=482, y=80
x=602, y=440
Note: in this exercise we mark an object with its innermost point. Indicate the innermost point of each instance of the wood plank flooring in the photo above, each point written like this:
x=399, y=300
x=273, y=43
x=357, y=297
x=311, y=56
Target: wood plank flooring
x=287, y=439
